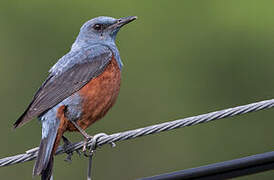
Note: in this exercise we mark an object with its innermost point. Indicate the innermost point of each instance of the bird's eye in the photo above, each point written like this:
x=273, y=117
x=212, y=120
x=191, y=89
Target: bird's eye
x=97, y=27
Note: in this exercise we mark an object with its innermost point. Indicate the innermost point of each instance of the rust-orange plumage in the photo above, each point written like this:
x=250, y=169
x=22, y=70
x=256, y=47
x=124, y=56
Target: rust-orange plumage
x=98, y=96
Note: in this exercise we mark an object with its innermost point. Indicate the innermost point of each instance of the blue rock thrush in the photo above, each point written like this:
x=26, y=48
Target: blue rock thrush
x=81, y=87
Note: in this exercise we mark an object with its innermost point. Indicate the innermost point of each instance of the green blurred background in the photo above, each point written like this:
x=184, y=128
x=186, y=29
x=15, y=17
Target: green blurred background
x=182, y=58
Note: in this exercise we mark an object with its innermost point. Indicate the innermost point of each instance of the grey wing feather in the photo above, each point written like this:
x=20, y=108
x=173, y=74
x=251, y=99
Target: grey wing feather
x=58, y=87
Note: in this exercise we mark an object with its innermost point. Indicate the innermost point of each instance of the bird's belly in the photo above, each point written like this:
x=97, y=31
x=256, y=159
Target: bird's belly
x=98, y=96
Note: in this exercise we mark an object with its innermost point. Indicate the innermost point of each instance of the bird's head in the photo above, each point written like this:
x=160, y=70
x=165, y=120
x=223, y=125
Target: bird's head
x=102, y=29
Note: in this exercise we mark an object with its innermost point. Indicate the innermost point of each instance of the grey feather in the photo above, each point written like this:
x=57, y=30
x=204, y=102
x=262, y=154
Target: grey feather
x=67, y=76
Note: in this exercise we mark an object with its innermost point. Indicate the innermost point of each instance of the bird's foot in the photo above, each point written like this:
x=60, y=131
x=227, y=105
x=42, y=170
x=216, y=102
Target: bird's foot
x=94, y=145
x=85, y=145
x=68, y=152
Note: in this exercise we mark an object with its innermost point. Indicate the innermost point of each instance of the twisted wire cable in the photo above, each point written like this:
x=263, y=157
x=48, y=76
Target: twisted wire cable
x=108, y=139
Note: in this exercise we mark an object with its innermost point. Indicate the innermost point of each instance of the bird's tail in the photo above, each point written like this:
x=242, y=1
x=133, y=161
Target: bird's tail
x=44, y=162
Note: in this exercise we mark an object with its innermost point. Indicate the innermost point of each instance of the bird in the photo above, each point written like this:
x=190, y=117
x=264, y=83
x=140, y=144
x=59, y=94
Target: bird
x=79, y=90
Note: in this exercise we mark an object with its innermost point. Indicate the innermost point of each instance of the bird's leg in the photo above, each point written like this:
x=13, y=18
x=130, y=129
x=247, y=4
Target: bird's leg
x=85, y=135
x=88, y=137
x=69, y=153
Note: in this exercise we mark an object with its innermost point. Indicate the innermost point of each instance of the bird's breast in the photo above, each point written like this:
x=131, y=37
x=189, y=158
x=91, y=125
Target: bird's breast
x=99, y=95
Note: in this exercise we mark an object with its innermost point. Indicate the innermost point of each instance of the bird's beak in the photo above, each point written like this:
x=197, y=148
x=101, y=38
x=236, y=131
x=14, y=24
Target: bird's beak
x=122, y=21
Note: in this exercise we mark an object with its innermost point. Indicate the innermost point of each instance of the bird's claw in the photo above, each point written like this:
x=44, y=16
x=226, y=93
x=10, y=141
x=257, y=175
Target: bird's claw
x=68, y=158
x=68, y=152
x=93, y=145
x=85, y=145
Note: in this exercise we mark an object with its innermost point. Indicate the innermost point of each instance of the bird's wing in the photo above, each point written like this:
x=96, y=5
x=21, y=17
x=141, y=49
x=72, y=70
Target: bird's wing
x=64, y=80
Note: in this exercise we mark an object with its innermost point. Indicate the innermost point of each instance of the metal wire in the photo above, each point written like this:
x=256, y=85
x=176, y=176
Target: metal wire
x=108, y=139
x=222, y=170
x=89, y=175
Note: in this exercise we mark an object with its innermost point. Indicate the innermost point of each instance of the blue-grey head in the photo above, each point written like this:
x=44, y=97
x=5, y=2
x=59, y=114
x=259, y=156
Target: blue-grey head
x=102, y=29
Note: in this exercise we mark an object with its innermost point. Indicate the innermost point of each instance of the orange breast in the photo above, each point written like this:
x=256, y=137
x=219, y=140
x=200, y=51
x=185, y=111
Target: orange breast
x=99, y=95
